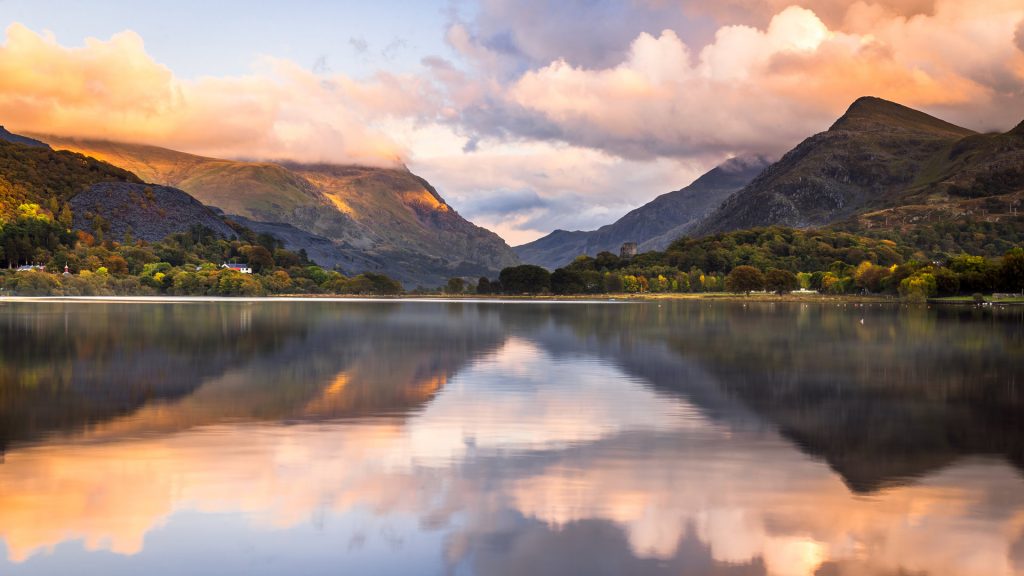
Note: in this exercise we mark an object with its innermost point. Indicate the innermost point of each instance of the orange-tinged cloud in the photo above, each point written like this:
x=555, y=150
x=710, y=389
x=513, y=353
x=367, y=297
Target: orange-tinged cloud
x=763, y=89
x=113, y=89
x=833, y=12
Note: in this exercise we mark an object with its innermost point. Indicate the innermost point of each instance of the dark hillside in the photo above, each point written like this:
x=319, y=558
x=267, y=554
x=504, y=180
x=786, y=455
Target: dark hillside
x=149, y=212
x=866, y=160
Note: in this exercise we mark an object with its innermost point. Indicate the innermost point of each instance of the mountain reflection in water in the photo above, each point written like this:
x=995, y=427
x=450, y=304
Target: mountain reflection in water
x=482, y=438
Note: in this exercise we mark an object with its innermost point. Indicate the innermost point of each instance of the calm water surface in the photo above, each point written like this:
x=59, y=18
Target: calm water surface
x=534, y=439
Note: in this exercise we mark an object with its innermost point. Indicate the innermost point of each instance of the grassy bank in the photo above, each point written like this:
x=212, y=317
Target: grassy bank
x=971, y=300
x=633, y=297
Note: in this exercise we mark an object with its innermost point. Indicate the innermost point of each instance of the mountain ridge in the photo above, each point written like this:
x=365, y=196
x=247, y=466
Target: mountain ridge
x=19, y=139
x=654, y=225
x=868, y=112
x=879, y=157
x=384, y=220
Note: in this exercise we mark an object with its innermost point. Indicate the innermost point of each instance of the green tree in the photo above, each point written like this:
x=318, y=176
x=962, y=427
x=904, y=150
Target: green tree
x=565, y=281
x=606, y=261
x=525, y=279
x=918, y=288
x=804, y=280
x=947, y=282
x=381, y=284
x=455, y=286
x=65, y=217
x=1011, y=271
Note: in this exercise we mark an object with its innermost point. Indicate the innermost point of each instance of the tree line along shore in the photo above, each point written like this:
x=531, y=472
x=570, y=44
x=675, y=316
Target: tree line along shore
x=770, y=262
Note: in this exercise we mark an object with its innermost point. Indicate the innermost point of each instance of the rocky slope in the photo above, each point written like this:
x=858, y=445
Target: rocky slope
x=883, y=165
x=148, y=212
x=376, y=219
x=652, y=226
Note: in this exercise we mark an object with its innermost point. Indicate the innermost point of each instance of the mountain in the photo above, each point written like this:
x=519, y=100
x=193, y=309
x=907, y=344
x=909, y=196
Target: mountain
x=18, y=139
x=149, y=212
x=883, y=166
x=31, y=174
x=652, y=226
x=385, y=220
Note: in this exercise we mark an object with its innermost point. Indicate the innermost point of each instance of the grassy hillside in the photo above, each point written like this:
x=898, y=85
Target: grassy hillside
x=253, y=190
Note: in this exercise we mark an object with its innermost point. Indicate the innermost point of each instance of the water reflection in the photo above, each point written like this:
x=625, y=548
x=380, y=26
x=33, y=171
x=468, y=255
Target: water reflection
x=487, y=439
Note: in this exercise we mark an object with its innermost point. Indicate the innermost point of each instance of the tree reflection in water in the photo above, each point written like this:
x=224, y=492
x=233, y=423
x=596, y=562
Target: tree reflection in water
x=681, y=437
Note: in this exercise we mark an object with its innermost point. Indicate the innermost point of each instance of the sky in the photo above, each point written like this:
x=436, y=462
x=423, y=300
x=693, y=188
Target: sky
x=527, y=115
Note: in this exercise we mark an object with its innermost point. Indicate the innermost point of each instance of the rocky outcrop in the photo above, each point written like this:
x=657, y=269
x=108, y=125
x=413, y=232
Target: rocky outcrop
x=147, y=211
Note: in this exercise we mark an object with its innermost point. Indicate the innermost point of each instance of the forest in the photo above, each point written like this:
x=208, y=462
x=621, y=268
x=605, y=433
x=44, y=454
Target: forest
x=775, y=259
x=188, y=263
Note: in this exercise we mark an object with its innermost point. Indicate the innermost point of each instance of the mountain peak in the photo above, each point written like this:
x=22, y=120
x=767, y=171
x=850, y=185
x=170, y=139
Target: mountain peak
x=1018, y=131
x=869, y=113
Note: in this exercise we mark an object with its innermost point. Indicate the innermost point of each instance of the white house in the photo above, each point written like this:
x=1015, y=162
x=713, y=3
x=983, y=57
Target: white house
x=243, y=268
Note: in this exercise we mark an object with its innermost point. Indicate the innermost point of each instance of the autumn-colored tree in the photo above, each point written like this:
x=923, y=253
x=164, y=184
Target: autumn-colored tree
x=744, y=279
x=780, y=281
x=258, y=257
x=870, y=277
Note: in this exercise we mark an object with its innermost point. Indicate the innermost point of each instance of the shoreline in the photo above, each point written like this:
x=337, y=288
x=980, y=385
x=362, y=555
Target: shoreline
x=525, y=299
x=509, y=299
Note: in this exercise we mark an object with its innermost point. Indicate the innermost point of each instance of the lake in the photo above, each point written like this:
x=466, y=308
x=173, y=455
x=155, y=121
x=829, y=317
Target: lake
x=482, y=438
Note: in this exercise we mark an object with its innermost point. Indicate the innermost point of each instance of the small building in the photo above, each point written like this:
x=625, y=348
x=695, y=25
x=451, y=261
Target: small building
x=628, y=250
x=243, y=268
x=29, y=267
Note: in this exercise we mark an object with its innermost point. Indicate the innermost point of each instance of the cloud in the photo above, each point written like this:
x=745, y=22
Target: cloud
x=755, y=89
x=522, y=34
x=114, y=89
x=832, y=12
x=359, y=44
x=524, y=189
x=591, y=106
